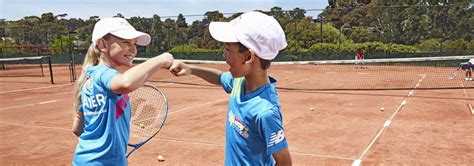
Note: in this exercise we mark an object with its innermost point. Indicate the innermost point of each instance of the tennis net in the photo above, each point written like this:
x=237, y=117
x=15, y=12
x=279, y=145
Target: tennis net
x=25, y=62
x=368, y=74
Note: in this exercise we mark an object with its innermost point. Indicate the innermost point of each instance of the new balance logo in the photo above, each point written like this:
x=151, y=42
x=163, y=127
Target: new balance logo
x=276, y=138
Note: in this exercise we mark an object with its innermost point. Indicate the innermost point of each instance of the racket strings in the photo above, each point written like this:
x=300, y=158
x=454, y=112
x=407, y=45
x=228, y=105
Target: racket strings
x=148, y=113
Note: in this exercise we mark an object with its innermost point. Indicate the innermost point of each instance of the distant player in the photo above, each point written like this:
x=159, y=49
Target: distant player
x=467, y=66
x=359, y=57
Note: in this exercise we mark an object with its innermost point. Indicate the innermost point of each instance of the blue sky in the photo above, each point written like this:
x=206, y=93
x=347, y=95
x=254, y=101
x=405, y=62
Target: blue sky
x=17, y=9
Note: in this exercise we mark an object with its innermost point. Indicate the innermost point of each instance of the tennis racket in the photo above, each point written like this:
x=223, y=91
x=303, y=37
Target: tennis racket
x=149, y=111
x=453, y=75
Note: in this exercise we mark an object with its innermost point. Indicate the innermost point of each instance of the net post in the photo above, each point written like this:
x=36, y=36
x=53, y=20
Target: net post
x=73, y=63
x=70, y=71
x=41, y=66
x=3, y=56
x=50, y=69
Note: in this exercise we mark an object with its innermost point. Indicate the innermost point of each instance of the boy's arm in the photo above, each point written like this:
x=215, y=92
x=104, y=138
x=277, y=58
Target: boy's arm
x=209, y=74
x=282, y=157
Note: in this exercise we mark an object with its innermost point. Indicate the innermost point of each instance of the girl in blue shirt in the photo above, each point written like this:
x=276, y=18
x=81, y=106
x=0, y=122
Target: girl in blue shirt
x=102, y=107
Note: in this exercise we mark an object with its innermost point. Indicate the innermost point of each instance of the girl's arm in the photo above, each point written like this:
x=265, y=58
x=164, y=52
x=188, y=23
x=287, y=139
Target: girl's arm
x=78, y=123
x=136, y=76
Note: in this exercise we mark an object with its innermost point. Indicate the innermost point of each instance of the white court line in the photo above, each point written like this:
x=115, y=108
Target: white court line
x=34, y=126
x=176, y=140
x=219, y=100
x=190, y=108
x=27, y=105
x=21, y=90
x=297, y=81
x=188, y=141
x=320, y=155
x=25, y=98
x=387, y=123
x=172, y=83
x=18, y=106
x=46, y=102
x=467, y=97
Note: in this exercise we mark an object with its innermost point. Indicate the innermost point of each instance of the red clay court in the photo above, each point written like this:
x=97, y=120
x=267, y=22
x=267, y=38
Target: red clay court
x=323, y=126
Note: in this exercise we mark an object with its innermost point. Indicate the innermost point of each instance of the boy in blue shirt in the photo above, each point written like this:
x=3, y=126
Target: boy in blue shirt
x=102, y=107
x=254, y=131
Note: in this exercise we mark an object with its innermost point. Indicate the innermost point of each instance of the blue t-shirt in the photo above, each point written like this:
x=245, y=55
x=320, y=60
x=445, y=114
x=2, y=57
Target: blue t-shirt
x=254, y=128
x=106, y=121
x=466, y=65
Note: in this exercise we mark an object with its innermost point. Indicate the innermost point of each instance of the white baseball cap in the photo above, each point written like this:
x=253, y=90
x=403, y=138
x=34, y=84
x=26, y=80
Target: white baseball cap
x=259, y=32
x=118, y=27
x=471, y=60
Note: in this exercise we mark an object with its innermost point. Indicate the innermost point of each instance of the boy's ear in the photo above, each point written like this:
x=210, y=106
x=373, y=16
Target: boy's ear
x=251, y=57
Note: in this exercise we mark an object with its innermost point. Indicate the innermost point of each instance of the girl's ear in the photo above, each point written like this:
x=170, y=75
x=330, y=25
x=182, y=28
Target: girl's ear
x=101, y=44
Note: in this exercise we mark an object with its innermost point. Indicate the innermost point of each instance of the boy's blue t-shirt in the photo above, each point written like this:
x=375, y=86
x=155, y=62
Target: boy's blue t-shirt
x=106, y=120
x=254, y=128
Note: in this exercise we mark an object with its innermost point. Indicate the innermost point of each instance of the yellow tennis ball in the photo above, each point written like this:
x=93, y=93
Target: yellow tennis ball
x=311, y=109
x=382, y=109
x=142, y=126
x=160, y=158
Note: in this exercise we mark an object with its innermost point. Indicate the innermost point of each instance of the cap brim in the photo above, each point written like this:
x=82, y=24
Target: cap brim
x=143, y=39
x=223, y=32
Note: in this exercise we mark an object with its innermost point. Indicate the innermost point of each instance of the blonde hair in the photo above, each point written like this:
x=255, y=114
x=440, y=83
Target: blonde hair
x=91, y=59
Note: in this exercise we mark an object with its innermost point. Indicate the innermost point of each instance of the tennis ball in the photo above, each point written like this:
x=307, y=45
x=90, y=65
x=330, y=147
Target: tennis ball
x=142, y=126
x=382, y=109
x=160, y=158
x=311, y=109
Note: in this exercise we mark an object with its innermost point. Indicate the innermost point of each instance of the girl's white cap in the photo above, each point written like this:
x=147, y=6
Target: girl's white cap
x=256, y=31
x=118, y=27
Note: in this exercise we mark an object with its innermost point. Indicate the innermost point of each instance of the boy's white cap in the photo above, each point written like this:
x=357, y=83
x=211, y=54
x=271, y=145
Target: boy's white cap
x=259, y=32
x=471, y=60
x=119, y=27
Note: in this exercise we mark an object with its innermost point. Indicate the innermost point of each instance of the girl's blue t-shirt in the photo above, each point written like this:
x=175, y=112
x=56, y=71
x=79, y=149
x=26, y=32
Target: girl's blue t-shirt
x=106, y=120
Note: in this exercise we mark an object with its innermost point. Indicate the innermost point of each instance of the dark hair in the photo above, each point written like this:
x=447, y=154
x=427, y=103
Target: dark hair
x=264, y=64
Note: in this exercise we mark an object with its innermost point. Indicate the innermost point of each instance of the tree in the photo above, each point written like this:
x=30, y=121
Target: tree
x=181, y=21
x=296, y=14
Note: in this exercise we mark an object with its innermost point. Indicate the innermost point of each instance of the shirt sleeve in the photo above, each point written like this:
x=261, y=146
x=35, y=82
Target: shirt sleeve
x=271, y=128
x=227, y=81
x=106, y=77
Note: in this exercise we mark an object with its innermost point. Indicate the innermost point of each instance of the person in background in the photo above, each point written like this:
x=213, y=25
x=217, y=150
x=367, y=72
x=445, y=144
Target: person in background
x=467, y=66
x=359, y=57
